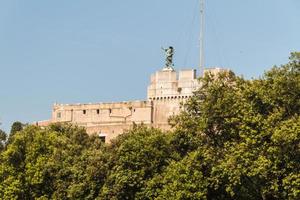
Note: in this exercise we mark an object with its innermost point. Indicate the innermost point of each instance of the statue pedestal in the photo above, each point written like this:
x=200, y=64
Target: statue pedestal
x=168, y=69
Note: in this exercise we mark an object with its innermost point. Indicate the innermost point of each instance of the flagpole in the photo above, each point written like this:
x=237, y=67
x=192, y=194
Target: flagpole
x=202, y=26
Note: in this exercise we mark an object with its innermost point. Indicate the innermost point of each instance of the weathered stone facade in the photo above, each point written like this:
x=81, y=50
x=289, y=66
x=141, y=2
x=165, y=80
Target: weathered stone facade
x=167, y=90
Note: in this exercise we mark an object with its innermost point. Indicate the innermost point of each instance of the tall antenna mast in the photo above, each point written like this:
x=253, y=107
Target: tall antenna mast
x=202, y=26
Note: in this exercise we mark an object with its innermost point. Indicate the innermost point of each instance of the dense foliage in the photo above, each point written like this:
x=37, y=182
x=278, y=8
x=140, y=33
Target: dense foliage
x=235, y=139
x=15, y=127
x=2, y=139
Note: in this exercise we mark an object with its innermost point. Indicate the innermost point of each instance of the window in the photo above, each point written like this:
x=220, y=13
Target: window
x=98, y=111
x=59, y=115
x=109, y=110
x=84, y=112
x=102, y=136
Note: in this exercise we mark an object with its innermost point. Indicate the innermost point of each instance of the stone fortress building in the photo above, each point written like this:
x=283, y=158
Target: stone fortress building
x=167, y=90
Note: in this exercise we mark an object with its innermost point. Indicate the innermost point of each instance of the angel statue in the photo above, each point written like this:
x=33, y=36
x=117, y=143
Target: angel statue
x=169, y=56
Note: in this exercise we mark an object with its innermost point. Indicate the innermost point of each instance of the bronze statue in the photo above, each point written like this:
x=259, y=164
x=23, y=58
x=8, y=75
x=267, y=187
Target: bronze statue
x=169, y=56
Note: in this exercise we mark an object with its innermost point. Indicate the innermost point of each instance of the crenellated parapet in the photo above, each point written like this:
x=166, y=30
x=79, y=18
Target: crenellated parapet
x=168, y=84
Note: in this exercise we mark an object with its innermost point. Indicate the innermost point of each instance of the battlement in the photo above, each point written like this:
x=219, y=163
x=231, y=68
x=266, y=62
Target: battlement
x=104, y=112
x=168, y=84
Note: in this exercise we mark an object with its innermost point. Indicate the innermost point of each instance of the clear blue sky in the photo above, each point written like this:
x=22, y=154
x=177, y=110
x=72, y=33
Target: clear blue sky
x=96, y=51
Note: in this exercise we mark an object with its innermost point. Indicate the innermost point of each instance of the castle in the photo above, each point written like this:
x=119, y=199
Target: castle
x=167, y=90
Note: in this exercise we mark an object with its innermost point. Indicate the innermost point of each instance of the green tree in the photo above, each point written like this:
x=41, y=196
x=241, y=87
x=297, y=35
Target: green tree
x=182, y=179
x=295, y=56
x=238, y=124
x=15, y=127
x=59, y=162
x=2, y=139
x=137, y=156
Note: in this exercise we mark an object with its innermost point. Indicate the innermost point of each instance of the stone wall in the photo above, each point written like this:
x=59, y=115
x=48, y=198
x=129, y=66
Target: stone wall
x=109, y=119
